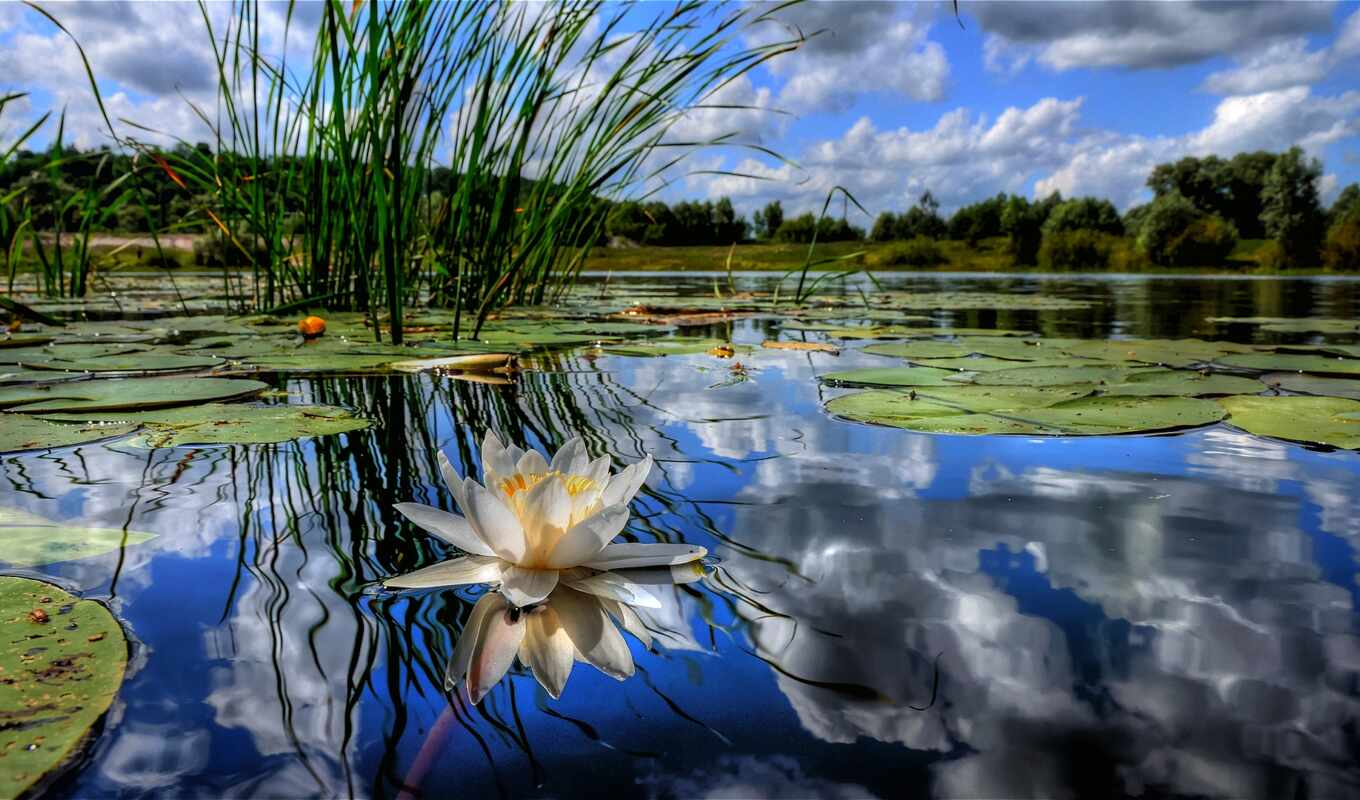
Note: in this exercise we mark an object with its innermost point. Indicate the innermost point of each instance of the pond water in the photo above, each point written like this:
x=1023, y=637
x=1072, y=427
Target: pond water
x=1168, y=614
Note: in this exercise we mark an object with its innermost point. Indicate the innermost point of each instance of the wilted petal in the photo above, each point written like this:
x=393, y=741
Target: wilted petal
x=452, y=528
x=571, y=458
x=494, y=523
x=627, y=555
x=524, y=587
x=453, y=572
x=623, y=486
x=457, y=668
x=497, y=643
x=688, y=572
x=547, y=650
x=614, y=587
x=593, y=635
x=584, y=540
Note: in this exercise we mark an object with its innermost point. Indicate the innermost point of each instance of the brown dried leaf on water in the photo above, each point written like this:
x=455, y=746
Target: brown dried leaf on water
x=817, y=347
x=475, y=362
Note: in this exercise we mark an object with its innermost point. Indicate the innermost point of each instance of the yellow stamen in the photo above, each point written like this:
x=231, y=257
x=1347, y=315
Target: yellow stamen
x=519, y=482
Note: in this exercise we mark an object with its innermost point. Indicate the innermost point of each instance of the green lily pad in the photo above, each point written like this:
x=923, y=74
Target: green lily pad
x=1181, y=383
x=992, y=346
x=1290, y=362
x=127, y=394
x=1295, y=324
x=859, y=331
x=915, y=350
x=890, y=376
x=28, y=540
x=61, y=662
x=216, y=423
x=960, y=301
x=1168, y=352
x=989, y=364
x=19, y=432
x=1311, y=384
x=1027, y=411
x=128, y=362
x=674, y=346
x=1022, y=375
x=1333, y=421
x=66, y=352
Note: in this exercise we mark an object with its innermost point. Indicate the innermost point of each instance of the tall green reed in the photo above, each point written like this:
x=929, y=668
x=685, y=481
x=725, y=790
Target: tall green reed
x=540, y=111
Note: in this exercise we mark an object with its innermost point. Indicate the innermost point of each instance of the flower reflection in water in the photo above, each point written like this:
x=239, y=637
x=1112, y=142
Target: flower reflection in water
x=568, y=626
x=540, y=531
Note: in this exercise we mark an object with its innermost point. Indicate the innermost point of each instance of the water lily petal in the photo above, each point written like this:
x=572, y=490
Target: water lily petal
x=457, y=667
x=612, y=586
x=628, y=555
x=458, y=571
x=629, y=619
x=531, y=463
x=451, y=478
x=592, y=633
x=496, y=459
x=452, y=528
x=623, y=486
x=688, y=572
x=547, y=650
x=571, y=458
x=545, y=513
x=497, y=643
x=598, y=470
x=584, y=540
x=493, y=522
x=524, y=587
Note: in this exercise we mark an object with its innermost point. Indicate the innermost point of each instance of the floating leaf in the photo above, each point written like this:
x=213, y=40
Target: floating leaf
x=891, y=376
x=1290, y=362
x=1182, y=383
x=915, y=350
x=1310, y=384
x=126, y=394
x=65, y=352
x=1168, y=352
x=674, y=346
x=146, y=361
x=989, y=364
x=478, y=362
x=62, y=660
x=1026, y=411
x=816, y=347
x=19, y=432
x=28, y=540
x=1055, y=376
x=1331, y=421
x=24, y=340
x=1295, y=324
x=959, y=301
x=217, y=423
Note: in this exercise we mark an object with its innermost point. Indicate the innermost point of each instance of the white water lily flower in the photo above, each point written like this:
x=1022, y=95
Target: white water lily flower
x=535, y=518
x=569, y=626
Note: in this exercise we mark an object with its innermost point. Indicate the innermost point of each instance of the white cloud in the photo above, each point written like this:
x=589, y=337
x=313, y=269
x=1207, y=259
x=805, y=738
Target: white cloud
x=1287, y=63
x=856, y=48
x=1071, y=35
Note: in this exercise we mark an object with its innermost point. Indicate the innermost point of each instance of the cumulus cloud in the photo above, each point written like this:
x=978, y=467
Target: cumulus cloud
x=1137, y=35
x=1288, y=63
x=885, y=42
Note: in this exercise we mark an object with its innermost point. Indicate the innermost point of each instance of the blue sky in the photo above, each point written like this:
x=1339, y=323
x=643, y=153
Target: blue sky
x=889, y=100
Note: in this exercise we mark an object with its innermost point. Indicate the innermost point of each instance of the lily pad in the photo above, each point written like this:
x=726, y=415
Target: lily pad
x=1021, y=375
x=999, y=301
x=915, y=350
x=128, y=362
x=1310, y=384
x=216, y=423
x=1181, y=383
x=1333, y=421
x=65, y=352
x=62, y=660
x=1033, y=412
x=1291, y=362
x=28, y=540
x=24, y=340
x=989, y=364
x=674, y=346
x=1295, y=324
x=19, y=432
x=891, y=376
x=126, y=394
x=1168, y=352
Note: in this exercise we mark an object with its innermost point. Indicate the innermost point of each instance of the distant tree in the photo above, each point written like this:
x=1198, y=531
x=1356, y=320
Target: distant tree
x=1174, y=232
x=1133, y=219
x=1291, y=211
x=921, y=220
x=801, y=228
x=1346, y=202
x=1022, y=222
x=1230, y=189
x=978, y=221
x=1085, y=213
x=727, y=226
x=768, y=220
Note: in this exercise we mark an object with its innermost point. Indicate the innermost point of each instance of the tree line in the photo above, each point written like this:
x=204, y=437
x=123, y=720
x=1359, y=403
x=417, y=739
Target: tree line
x=1201, y=208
